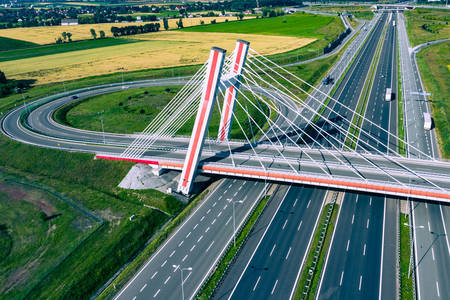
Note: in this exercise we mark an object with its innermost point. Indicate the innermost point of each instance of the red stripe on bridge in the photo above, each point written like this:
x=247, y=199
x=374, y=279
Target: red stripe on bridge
x=298, y=178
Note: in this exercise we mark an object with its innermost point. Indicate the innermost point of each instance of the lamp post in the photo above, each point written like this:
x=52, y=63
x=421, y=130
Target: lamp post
x=181, y=273
x=103, y=128
x=234, y=219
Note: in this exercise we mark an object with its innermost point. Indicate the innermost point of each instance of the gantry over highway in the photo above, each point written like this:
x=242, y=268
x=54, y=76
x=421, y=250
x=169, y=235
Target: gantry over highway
x=333, y=162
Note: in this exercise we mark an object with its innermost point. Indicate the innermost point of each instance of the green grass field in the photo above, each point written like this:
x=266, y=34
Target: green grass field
x=435, y=18
x=132, y=110
x=61, y=48
x=91, y=185
x=434, y=65
x=298, y=25
x=36, y=243
x=7, y=44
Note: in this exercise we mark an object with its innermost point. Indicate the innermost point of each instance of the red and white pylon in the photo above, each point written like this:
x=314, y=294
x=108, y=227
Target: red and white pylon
x=240, y=56
x=209, y=93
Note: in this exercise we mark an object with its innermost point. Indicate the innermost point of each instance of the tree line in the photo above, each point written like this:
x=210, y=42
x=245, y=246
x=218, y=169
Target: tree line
x=134, y=29
x=337, y=41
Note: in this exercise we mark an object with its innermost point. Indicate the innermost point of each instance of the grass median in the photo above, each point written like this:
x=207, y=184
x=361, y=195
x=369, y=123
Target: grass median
x=322, y=255
x=406, y=281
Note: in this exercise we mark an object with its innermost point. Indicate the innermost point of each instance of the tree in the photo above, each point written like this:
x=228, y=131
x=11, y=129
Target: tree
x=240, y=16
x=59, y=40
x=3, y=77
x=115, y=31
x=180, y=23
x=166, y=24
x=102, y=34
x=69, y=35
x=64, y=35
x=93, y=33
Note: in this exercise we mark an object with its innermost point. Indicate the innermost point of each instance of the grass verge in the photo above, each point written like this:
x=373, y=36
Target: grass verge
x=406, y=282
x=322, y=254
x=427, y=24
x=132, y=268
x=208, y=289
x=433, y=63
x=400, y=107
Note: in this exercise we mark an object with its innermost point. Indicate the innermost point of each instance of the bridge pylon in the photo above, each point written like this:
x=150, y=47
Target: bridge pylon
x=239, y=59
x=205, y=109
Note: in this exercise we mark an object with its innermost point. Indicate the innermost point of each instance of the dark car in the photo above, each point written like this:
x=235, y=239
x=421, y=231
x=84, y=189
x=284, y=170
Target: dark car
x=327, y=80
x=74, y=97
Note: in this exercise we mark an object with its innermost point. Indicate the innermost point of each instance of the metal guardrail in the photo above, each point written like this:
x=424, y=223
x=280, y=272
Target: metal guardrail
x=312, y=270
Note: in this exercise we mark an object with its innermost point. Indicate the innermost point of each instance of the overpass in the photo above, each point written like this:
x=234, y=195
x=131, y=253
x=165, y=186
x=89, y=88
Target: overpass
x=278, y=157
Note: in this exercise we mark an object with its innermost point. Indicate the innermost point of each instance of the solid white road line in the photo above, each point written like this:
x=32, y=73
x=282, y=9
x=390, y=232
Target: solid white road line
x=256, y=284
x=445, y=229
x=382, y=249
x=331, y=245
x=274, y=287
x=167, y=241
x=254, y=251
x=342, y=277
x=142, y=288
x=273, y=248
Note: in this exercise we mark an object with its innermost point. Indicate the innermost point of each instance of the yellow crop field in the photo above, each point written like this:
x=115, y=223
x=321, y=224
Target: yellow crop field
x=48, y=34
x=154, y=50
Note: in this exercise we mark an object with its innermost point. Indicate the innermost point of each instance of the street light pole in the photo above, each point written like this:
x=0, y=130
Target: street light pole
x=234, y=219
x=181, y=275
x=103, y=128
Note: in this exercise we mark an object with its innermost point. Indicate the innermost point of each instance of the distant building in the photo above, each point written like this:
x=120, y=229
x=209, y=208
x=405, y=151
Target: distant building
x=65, y=22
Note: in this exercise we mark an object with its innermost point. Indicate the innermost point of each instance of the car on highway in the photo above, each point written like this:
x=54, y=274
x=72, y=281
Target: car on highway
x=327, y=80
x=74, y=97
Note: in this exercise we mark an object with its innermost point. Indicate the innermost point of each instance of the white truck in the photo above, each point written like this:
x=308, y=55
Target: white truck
x=388, y=94
x=427, y=121
x=393, y=23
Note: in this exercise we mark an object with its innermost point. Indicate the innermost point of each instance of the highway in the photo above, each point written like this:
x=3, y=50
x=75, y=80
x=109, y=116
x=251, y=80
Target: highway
x=430, y=221
x=361, y=263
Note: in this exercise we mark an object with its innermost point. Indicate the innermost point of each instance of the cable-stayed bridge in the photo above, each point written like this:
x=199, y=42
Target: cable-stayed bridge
x=288, y=134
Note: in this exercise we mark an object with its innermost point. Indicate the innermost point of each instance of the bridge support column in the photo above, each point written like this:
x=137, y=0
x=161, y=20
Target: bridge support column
x=240, y=56
x=211, y=84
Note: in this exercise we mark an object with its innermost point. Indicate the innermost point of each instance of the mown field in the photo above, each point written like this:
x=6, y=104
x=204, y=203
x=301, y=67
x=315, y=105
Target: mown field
x=48, y=34
x=132, y=110
x=425, y=24
x=154, y=50
x=304, y=25
x=434, y=65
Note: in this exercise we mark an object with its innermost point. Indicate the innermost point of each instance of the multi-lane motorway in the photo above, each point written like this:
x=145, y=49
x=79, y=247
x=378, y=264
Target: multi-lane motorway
x=361, y=262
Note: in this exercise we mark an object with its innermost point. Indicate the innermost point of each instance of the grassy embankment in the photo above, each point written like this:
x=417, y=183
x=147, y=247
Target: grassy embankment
x=91, y=185
x=426, y=24
x=400, y=107
x=434, y=66
x=132, y=110
x=406, y=282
